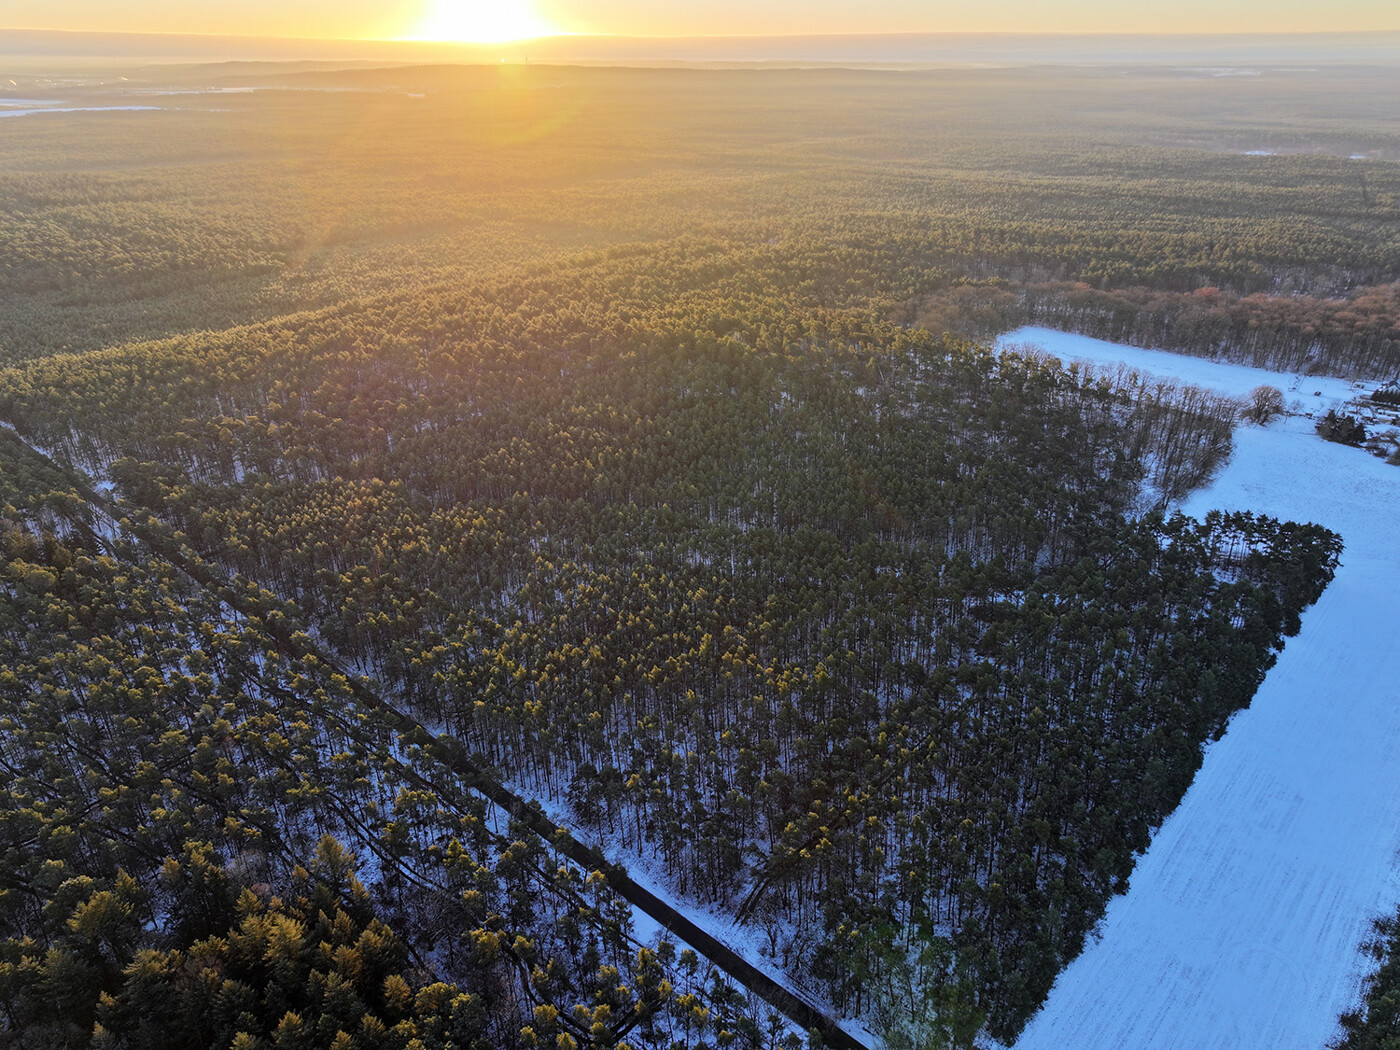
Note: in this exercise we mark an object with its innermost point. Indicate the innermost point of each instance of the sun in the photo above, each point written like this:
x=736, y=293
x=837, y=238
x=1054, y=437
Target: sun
x=481, y=22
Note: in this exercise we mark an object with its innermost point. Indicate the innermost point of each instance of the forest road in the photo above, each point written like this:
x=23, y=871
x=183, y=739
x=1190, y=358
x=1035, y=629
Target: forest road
x=803, y=1013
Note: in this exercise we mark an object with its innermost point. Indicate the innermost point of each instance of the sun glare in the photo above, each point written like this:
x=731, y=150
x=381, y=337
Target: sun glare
x=481, y=22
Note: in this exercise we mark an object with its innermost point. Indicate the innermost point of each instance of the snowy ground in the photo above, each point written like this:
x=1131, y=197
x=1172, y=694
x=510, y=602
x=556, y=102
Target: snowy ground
x=1315, y=394
x=647, y=872
x=75, y=109
x=1242, y=925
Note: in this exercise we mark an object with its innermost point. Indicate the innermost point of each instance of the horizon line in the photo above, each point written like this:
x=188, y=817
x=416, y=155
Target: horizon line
x=947, y=33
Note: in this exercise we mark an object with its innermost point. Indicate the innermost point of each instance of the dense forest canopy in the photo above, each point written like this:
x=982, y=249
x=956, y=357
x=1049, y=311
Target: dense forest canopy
x=282, y=192
x=617, y=424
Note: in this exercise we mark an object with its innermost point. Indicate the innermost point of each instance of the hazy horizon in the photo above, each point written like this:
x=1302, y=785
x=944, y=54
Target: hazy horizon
x=24, y=48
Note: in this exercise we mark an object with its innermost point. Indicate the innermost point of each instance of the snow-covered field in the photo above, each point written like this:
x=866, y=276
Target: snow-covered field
x=1242, y=924
x=1315, y=394
x=75, y=109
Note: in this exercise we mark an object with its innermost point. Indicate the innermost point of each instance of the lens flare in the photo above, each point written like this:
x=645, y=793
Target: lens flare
x=481, y=22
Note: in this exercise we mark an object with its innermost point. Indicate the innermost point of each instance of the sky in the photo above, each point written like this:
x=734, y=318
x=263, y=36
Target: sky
x=490, y=20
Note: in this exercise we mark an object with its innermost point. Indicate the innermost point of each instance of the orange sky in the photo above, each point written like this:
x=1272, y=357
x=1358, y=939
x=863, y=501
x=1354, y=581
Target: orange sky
x=497, y=19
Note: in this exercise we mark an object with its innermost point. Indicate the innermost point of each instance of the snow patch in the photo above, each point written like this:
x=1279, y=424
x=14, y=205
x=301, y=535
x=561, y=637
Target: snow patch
x=76, y=109
x=1303, y=393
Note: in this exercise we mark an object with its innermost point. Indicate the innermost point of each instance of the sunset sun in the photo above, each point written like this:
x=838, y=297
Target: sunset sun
x=481, y=22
